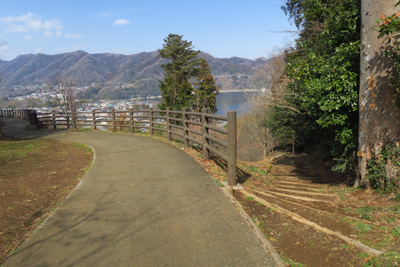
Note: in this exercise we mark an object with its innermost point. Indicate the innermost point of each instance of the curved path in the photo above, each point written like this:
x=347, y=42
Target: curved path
x=142, y=203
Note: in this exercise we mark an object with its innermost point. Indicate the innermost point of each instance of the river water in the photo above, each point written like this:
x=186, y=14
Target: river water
x=233, y=101
x=226, y=101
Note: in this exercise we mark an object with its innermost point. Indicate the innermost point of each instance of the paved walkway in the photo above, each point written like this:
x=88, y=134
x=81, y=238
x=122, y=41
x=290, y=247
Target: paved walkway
x=142, y=203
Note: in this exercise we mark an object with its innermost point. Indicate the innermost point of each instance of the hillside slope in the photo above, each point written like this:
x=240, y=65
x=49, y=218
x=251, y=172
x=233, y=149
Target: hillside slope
x=119, y=75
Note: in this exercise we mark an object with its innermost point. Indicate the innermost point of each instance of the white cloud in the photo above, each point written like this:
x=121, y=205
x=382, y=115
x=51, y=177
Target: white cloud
x=121, y=22
x=31, y=22
x=28, y=38
x=47, y=34
x=3, y=47
x=38, y=49
x=104, y=15
x=73, y=35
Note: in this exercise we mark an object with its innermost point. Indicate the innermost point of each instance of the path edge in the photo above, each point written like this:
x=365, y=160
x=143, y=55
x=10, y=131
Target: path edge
x=268, y=247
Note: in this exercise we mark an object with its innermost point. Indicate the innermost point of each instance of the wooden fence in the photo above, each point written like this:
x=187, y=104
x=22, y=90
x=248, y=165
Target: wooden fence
x=201, y=128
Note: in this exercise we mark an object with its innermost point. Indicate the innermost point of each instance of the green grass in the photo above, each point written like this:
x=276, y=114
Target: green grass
x=365, y=213
x=218, y=183
x=292, y=263
x=254, y=169
x=396, y=209
x=397, y=197
x=390, y=220
x=363, y=227
x=249, y=198
x=396, y=232
x=388, y=259
x=41, y=221
x=20, y=149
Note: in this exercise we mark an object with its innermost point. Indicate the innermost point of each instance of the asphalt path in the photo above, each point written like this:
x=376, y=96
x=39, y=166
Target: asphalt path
x=142, y=203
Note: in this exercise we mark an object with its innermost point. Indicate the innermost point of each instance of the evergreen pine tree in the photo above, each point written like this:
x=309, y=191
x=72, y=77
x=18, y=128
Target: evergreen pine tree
x=176, y=89
x=205, y=89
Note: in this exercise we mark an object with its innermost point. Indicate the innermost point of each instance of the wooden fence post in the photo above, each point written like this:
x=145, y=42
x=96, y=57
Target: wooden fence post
x=151, y=121
x=94, y=119
x=73, y=120
x=167, y=126
x=204, y=131
x=30, y=116
x=54, y=119
x=232, y=148
x=113, y=120
x=36, y=120
x=131, y=120
x=185, y=126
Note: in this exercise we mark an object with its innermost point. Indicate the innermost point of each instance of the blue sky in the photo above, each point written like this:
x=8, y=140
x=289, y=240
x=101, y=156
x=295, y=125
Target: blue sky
x=248, y=29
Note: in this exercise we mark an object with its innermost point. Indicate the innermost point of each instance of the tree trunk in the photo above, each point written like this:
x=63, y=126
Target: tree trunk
x=378, y=114
x=265, y=148
x=293, y=141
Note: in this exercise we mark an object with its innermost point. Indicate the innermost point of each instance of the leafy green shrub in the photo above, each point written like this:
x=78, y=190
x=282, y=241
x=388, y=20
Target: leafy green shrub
x=376, y=168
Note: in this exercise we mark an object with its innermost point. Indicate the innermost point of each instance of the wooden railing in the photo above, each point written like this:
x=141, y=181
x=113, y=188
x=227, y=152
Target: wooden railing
x=201, y=128
x=18, y=112
x=29, y=114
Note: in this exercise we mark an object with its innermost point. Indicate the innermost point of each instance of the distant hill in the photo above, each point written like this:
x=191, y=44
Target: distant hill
x=113, y=76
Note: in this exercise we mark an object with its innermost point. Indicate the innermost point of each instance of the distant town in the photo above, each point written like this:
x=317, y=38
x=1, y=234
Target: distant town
x=45, y=96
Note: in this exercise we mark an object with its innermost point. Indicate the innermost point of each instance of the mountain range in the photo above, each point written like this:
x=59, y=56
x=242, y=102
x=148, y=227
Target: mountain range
x=113, y=76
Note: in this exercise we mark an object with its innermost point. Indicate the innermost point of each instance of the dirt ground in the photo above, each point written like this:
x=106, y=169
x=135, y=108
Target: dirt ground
x=35, y=177
x=300, y=184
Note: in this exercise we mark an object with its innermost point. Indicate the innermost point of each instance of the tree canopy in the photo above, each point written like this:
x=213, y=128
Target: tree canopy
x=182, y=66
x=176, y=89
x=322, y=71
x=205, y=89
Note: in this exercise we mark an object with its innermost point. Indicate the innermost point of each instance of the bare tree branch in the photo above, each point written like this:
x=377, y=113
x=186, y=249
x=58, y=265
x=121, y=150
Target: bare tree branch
x=63, y=91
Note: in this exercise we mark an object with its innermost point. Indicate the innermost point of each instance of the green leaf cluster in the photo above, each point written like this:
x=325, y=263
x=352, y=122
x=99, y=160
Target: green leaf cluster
x=183, y=65
x=323, y=72
x=205, y=90
x=176, y=89
x=376, y=168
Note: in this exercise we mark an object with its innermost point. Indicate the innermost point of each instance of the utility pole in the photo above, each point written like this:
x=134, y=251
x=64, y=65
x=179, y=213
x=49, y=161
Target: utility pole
x=378, y=114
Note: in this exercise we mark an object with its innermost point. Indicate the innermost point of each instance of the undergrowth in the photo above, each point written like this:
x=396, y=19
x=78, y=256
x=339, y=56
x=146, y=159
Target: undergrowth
x=377, y=172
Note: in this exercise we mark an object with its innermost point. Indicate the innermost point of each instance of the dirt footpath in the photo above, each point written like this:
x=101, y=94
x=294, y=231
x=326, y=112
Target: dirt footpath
x=314, y=223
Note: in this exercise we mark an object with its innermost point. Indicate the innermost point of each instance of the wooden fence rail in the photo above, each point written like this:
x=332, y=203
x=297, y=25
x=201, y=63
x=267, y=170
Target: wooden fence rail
x=201, y=128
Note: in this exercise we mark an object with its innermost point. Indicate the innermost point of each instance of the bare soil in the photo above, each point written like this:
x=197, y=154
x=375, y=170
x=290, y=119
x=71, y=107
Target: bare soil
x=304, y=186
x=36, y=175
